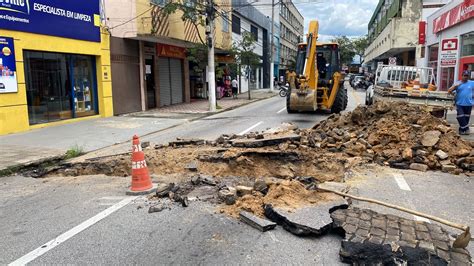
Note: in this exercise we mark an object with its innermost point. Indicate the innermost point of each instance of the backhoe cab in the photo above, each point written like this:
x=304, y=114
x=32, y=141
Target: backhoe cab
x=316, y=83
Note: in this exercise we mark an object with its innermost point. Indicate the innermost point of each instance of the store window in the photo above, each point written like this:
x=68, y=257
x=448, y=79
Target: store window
x=467, y=45
x=59, y=86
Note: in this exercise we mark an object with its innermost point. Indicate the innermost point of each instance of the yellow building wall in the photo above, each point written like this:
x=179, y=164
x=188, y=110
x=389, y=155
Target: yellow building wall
x=13, y=106
x=172, y=26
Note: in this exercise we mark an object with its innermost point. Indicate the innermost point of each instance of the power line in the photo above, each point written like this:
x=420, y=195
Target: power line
x=134, y=18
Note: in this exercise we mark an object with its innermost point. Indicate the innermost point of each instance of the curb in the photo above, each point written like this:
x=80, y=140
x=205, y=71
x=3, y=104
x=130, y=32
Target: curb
x=10, y=170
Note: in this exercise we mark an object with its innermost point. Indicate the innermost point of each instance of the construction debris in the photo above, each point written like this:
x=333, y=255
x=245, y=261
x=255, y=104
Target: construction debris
x=362, y=226
x=309, y=220
x=257, y=222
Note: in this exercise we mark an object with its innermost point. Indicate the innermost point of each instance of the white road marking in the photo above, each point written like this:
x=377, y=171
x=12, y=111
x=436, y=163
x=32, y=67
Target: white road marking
x=402, y=184
x=283, y=109
x=273, y=237
x=72, y=232
x=250, y=128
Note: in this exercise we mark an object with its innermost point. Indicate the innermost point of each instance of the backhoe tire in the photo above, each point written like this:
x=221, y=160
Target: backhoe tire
x=340, y=102
x=288, y=108
x=346, y=100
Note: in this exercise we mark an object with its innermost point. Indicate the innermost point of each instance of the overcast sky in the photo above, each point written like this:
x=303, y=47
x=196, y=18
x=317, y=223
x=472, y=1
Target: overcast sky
x=338, y=17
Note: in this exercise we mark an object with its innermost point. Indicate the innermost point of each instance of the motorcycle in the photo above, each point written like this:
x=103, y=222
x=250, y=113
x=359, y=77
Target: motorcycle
x=284, y=90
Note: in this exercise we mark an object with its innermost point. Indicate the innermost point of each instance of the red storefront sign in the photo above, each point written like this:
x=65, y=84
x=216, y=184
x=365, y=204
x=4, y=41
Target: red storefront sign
x=459, y=13
x=165, y=50
x=449, y=52
x=422, y=32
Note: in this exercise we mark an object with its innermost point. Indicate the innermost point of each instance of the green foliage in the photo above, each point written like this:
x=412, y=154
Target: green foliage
x=74, y=152
x=360, y=44
x=243, y=51
x=350, y=47
x=346, y=49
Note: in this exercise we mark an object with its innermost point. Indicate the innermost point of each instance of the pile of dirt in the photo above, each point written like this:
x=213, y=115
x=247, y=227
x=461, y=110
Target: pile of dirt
x=286, y=194
x=400, y=135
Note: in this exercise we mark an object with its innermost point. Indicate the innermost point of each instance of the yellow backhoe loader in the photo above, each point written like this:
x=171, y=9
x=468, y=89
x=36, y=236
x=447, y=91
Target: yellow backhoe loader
x=316, y=83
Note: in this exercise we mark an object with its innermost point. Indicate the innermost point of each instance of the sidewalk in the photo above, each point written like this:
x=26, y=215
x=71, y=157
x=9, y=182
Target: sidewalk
x=199, y=108
x=38, y=145
x=451, y=118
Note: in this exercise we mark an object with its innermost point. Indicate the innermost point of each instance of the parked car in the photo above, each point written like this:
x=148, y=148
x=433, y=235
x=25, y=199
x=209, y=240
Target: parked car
x=356, y=79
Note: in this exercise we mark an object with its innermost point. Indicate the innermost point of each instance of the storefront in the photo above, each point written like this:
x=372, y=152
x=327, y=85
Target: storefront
x=171, y=75
x=55, y=64
x=450, y=42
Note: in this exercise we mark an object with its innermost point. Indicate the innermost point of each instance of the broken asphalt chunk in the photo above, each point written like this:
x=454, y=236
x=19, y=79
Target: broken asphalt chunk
x=156, y=208
x=256, y=222
x=254, y=143
x=208, y=180
x=375, y=254
x=163, y=190
x=192, y=166
x=309, y=220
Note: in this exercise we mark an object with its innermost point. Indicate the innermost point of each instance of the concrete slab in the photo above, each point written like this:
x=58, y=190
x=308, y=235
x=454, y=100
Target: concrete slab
x=310, y=220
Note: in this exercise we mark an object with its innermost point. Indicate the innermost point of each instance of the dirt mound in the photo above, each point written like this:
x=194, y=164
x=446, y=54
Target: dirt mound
x=393, y=134
x=287, y=195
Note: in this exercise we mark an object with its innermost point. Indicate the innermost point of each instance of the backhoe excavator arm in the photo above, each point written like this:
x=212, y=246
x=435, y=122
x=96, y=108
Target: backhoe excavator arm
x=310, y=69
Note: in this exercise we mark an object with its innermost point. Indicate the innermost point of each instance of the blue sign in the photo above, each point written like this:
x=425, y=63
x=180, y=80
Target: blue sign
x=78, y=19
x=8, y=81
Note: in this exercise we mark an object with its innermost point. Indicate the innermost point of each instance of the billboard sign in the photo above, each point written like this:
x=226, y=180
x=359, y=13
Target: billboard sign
x=8, y=81
x=449, y=52
x=457, y=14
x=69, y=19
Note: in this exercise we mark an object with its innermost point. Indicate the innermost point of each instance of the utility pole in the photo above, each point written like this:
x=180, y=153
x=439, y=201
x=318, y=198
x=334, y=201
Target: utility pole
x=272, y=66
x=210, y=56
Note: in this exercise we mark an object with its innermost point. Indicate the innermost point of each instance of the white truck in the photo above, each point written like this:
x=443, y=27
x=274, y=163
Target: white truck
x=413, y=85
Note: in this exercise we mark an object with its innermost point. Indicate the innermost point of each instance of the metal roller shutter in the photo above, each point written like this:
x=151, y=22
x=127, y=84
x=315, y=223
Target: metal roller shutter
x=164, y=79
x=176, y=71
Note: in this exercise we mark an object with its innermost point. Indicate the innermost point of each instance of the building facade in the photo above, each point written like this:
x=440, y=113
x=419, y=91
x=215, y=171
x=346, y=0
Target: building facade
x=291, y=33
x=246, y=18
x=54, y=64
x=148, y=53
x=450, y=42
x=393, y=31
x=288, y=32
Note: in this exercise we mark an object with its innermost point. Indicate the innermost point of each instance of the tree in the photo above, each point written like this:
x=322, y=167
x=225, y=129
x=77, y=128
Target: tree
x=346, y=49
x=360, y=44
x=244, y=55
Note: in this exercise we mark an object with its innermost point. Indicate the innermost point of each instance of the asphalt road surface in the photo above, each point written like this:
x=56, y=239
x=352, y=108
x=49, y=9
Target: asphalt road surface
x=89, y=220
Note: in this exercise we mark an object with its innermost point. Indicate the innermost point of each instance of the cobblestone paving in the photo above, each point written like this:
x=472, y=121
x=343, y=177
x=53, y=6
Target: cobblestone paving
x=367, y=226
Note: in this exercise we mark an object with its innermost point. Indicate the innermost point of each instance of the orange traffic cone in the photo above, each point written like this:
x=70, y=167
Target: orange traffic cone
x=141, y=181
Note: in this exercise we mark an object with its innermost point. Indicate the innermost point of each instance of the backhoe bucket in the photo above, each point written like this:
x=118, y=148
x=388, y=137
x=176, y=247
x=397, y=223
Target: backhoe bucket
x=303, y=100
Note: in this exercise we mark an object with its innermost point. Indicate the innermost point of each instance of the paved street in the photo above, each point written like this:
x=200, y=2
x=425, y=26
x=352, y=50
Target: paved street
x=89, y=220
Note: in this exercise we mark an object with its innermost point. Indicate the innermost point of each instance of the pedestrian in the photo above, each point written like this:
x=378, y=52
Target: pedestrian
x=235, y=87
x=464, y=92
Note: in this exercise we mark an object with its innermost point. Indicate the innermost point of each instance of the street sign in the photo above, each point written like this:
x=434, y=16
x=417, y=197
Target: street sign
x=449, y=52
x=392, y=61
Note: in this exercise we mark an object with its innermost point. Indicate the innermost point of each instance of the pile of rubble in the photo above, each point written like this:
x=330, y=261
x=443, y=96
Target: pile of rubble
x=399, y=135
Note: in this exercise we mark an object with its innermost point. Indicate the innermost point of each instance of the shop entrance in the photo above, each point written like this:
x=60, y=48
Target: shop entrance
x=447, y=78
x=150, y=81
x=59, y=86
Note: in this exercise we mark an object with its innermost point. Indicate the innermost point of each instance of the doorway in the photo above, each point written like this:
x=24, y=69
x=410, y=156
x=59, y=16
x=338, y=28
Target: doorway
x=447, y=78
x=150, y=81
